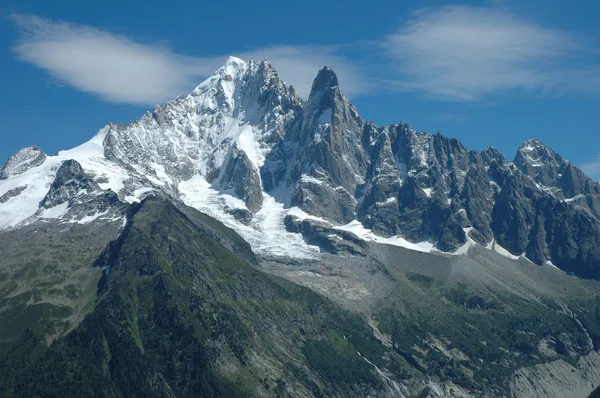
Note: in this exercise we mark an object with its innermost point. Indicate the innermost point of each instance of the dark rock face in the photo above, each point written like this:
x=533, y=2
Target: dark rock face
x=378, y=209
x=321, y=156
x=70, y=182
x=12, y=193
x=557, y=176
x=330, y=240
x=321, y=200
x=22, y=161
x=84, y=197
x=478, y=198
x=413, y=185
x=513, y=214
x=420, y=186
x=240, y=175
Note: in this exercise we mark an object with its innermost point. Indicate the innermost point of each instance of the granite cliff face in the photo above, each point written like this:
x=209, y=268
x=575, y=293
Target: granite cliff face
x=189, y=252
x=244, y=144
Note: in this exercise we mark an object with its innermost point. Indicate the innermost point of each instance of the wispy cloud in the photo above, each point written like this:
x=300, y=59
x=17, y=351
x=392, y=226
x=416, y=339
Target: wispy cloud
x=108, y=65
x=118, y=69
x=466, y=53
x=592, y=169
x=456, y=53
x=450, y=118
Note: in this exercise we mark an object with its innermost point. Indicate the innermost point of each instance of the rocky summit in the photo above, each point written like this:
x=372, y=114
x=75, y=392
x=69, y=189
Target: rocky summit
x=242, y=240
x=243, y=144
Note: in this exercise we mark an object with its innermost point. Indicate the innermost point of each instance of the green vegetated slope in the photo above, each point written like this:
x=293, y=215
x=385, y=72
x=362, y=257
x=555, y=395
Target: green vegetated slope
x=178, y=314
x=476, y=327
x=181, y=309
x=47, y=283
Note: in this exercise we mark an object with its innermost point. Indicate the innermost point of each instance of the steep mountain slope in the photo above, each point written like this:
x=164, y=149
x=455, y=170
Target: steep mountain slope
x=181, y=308
x=446, y=272
x=179, y=314
x=245, y=149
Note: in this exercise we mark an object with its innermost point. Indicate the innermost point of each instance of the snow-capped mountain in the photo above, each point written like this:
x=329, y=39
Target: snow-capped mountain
x=244, y=148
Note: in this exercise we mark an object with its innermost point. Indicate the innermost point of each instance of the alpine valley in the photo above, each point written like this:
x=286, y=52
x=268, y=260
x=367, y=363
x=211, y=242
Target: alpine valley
x=243, y=241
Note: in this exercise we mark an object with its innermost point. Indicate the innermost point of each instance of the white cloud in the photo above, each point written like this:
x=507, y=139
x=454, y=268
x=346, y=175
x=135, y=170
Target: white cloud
x=465, y=53
x=592, y=169
x=117, y=69
x=110, y=66
x=461, y=53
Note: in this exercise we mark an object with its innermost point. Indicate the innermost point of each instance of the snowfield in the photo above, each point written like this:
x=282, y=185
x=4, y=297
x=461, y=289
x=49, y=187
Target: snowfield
x=178, y=148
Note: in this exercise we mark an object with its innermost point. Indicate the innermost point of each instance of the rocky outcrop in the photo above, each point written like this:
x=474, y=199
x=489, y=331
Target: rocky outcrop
x=245, y=105
x=328, y=239
x=244, y=132
x=241, y=176
x=22, y=161
x=11, y=193
x=558, y=379
x=321, y=158
x=69, y=183
x=378, y=208
x=83, y=196
x=558, y=177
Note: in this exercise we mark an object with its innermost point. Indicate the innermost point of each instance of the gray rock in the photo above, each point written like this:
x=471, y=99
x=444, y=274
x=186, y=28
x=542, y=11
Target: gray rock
x=22, y=161
x=323, y=144
x=378, y=208
x=84, y=197
x=242, y=215
x=12, y=193
x=478, y=199
x=70, y=181
x=328, y=239
x=240, y=175
x=321, y=200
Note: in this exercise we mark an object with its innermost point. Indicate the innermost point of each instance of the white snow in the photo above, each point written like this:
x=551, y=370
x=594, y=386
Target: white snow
x=359, y=230
x=265, y=233
x=428, y=192
x=574, y=198
x=232, y=202
x=470, y=243
x=503, y=252
x=248, y=144
x=56, y=211
x=310, y=179
x=137, y=194
x=161, y=173
x=93, y=217
x=38, y=180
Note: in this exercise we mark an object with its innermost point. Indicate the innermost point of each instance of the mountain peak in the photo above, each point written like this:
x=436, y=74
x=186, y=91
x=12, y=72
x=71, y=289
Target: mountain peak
x=532, y=144
x=242, y=144
x=231, y=69
x=326, y=78
x=22, y=161
x=325, y=91
x=233, y=65
x=535, y=153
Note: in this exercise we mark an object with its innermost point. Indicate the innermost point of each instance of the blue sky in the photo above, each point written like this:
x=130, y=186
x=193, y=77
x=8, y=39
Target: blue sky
x=487, y=72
